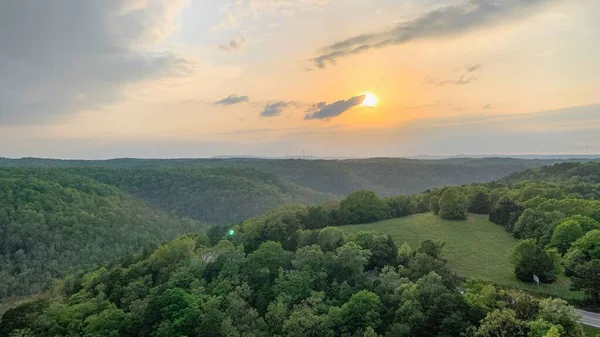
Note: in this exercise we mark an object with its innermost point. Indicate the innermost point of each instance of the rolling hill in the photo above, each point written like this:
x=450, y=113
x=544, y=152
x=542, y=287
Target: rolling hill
x=473, y=248
x=385, y=176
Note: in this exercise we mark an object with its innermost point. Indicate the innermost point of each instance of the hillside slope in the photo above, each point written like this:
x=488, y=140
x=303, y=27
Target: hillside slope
x=474, y=248
x=53, y=223
x=216, y=196
x=385, y=176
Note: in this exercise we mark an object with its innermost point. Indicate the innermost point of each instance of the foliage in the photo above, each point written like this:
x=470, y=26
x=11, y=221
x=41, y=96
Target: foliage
x=480, y=202
x=529, y=259
x=362, y=206
x=385, y=176
x=53, y=223
x=452, y=204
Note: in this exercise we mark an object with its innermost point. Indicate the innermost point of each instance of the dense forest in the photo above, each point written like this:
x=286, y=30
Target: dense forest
x=311, y=283
x=385, y=176
x=291, y=272
x=53, y=223
x=214, y=196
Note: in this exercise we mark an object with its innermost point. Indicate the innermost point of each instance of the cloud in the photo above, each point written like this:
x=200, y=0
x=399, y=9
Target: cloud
x=61, y=57
x=441, y=22
x=461, y=81
x=237, y=13
x=473, y=68
x=233, y=99
x=465, y=78
x=233, y=45
x=487, y=106
x=275, y=109
x=327, y=111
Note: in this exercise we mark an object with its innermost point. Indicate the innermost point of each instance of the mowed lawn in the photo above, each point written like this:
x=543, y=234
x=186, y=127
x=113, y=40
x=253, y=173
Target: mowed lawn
x=474, y=248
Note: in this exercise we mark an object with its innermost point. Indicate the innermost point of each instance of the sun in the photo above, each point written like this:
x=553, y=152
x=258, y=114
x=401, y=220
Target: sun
x=370, y=99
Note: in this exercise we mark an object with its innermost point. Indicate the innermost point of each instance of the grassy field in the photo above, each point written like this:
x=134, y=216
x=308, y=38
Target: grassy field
x=590, y=331
x=474, y=248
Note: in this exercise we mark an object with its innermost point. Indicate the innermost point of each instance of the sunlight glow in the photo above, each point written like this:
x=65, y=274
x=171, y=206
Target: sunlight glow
x=370, y=99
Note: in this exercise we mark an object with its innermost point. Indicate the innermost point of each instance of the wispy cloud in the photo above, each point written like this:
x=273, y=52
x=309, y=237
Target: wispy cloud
x=233, y=45
x=326, y=111
x=232, y=100
x=461, y=81
x=441, y=22
x=275, y=109
x=465, y=78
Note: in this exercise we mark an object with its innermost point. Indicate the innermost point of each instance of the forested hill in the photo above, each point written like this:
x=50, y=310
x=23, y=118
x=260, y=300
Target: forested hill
x=577, y=172
x=215, y=196
x=53, y=223
x=385, y=176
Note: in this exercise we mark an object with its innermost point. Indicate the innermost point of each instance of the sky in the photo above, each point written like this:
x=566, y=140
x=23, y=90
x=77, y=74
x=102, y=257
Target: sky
x=336, y=78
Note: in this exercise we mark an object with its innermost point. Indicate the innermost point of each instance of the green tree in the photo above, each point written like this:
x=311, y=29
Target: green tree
x=502, y=323
x=480, y=202
x=330, y=238
x=434, y=204
x=452, y=204
x=399, y=206
x=529, y=259
x=565, y=234
x=316, y=217
x=360, y=312
x=586, y=277
x=553, y=332
x=558, y=312
x=363, y=207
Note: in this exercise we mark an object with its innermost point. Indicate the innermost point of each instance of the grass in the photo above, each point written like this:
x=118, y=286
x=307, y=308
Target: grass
x=474, y=248
x=591, y=331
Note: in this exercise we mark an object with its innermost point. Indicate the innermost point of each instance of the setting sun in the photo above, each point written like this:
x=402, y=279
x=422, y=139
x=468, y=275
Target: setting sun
x=370, y=99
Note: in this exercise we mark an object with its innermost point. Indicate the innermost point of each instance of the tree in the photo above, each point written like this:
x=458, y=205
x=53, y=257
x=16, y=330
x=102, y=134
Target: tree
x=529, y=259
x=452, y=204
x=565, y=234
x=504, y=211
x=316, y=217
x=480, y=202
x=434, y=204
x=400, y=205
x=558, y=312
x=502, y=323
x=330, y=238
x=363, y=207
x=360, y=312
x=433, y=249
x=553, y=332
x=586, y=277
x=382, y=247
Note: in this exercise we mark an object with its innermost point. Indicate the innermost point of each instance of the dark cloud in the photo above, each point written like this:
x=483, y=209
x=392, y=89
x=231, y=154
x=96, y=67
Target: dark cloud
x=441, y=22
x=60, y=57
x=327, y=111
x=233, y=99
x=487, y=106
x=275, y=109
x=233, y=45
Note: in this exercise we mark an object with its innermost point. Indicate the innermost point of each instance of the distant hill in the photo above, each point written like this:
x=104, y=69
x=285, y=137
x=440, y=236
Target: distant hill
x=212, y=195
x=385, y=176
